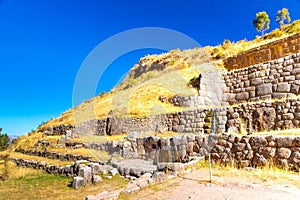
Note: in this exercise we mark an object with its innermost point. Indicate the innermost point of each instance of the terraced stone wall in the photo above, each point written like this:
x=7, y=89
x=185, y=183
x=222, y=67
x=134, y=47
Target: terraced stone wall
x=275, y=79
x=198, y=121
x=271, y=51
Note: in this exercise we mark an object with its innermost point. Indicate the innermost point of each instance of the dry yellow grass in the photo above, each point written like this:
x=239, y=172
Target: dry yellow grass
x=141, y=96
x=228, y=48
x=38, y=159
x=24, y=183
x=289, y=132
x=98, y=139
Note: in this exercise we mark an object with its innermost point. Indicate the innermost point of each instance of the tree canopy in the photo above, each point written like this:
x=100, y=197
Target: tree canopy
x=282, y=16
x=4, y=141
x=261, y=22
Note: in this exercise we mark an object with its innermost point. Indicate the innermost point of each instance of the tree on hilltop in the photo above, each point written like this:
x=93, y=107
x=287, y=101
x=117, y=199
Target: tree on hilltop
x=261, y=22
x=282, y=16
x=4, y=141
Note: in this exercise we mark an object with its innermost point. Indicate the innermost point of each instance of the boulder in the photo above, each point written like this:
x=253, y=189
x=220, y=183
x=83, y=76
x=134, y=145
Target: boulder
x=259, y=160
x=284, y=141
x=257, y=141
x=113, y=171
x=267, y=152
x=159, y=177
x=95, y=168
x=78, y=182
x=96, y=179
x=296, y=141
x=86, y=174
x=284, y=153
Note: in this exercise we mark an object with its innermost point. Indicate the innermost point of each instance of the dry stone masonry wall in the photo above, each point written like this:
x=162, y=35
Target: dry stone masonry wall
x=271, y=51
x=198, y=121
x=273, y=79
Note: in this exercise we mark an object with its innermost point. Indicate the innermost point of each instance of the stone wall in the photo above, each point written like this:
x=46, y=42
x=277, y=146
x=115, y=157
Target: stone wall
x=273, y=79
x=247, y=118
x=198, y=121
x=244, y=151
x=264, y=116
x=271, y=51
x=42, y=165
x=258, y=151
x=55, y=155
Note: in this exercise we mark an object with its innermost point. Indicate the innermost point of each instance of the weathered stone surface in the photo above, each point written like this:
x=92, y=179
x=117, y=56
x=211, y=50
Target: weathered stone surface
x=260, y=160
x=159, y=177
x=296, y=141
x=267, y=152
x=95, y=168
x=96, y=179
x=257, y=141
x=175, y=166
x=86, y=174
x=78, y=182
x=281, y=162
x=264, y=89
x=239, y=146
x=288, y=116
x=244, y=96
x=113, y=171
x=256, y=81
x=284, y=141
x=283, y=87
x=295, y=157
x=245, y=163
x=284, y=153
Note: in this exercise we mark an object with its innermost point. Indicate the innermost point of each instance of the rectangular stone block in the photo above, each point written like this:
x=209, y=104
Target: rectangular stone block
x=289, y=78
x=283, y=87
x=244, y=96
x=279, y=95
x=256, y=81
x=264, y=89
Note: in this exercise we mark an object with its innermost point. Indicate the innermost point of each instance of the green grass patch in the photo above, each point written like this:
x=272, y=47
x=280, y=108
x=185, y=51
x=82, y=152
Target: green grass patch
x=35, y=184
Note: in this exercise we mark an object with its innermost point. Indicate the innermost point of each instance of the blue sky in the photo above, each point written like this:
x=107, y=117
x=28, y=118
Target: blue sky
x=44, y=42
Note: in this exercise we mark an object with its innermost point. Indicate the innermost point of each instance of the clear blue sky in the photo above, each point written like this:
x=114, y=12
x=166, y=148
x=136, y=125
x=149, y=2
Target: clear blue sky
x=43, y=43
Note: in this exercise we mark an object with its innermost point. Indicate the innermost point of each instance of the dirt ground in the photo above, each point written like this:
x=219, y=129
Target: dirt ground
x=195, y=185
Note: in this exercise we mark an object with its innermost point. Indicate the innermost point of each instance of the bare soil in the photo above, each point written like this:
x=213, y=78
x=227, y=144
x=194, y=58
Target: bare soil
x=196, y=186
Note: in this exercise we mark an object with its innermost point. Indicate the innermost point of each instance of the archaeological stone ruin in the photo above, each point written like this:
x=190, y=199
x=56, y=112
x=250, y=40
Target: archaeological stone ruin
x=258, y=92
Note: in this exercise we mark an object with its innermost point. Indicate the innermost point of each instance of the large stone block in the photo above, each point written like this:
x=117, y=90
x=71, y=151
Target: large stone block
x=256, y=81
x=284, y=141
x=264, y=89
x=267, y=152
x=257, y=141
x=284, y=153
x=296, y=141
x=260, y=160
x=244, y=96
x=283, y=87
x=96, y=179
x=78, y=182
x=86, y=174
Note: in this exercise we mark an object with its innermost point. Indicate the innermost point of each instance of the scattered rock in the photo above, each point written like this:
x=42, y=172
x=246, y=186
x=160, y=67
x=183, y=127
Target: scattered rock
x=78, y=182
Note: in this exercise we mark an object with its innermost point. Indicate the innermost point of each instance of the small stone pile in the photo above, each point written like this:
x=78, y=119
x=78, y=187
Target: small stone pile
x=88, y=172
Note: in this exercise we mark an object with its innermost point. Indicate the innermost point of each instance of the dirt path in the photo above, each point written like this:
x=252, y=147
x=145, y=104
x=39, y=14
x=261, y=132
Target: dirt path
x=195, y=186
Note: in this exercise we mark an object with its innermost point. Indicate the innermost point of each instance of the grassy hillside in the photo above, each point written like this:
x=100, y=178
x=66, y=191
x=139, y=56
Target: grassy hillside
x=154, y=76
